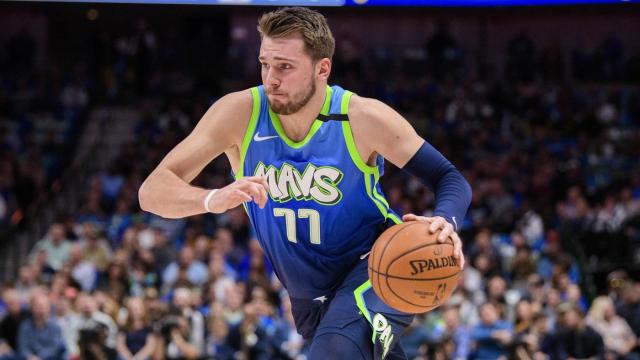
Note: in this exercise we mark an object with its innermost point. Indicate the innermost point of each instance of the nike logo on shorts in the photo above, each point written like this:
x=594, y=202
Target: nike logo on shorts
x=257, y=137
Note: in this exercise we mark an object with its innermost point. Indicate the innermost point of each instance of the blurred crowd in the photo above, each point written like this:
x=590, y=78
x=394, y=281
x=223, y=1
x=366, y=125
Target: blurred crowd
x=553, y=165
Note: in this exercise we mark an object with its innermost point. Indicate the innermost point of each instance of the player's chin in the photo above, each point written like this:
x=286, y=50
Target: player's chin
x=278, y=107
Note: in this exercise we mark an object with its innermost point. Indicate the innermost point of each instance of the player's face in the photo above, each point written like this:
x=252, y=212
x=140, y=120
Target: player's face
x=288, y=73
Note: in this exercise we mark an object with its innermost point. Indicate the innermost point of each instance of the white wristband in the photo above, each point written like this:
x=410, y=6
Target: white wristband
x=208, y=198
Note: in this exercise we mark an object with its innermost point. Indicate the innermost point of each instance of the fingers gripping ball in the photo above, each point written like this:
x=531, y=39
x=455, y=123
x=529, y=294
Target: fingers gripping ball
x=410, y=271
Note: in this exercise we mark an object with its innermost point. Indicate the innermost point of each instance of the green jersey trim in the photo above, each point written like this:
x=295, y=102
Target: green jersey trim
x=251, y=128
x=367, y=170
x=358, y=295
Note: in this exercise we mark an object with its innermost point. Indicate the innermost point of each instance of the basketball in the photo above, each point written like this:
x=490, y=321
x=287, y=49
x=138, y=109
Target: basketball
x=410, y=271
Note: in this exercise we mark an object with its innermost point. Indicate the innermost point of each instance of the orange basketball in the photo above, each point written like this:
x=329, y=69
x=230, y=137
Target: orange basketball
x=410, y=271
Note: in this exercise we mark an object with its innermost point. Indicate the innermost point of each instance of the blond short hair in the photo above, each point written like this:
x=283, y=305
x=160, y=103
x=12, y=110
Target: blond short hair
x=310, y=24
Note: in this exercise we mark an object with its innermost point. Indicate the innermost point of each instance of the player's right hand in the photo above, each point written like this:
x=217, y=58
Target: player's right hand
x=250, y=188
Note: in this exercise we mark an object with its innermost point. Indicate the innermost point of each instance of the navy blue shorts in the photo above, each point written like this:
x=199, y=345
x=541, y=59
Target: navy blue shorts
x=355, y=311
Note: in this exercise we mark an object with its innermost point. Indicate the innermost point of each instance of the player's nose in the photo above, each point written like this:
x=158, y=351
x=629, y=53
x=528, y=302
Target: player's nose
x=271, y=80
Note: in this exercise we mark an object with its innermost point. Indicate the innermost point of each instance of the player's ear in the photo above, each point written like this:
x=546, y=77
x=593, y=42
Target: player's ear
x=323, y=69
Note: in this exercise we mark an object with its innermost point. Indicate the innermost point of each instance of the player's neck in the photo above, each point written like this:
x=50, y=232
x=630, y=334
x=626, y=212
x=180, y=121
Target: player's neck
x=297, y=125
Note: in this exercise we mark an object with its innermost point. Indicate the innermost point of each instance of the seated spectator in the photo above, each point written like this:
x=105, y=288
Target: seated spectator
x=217, y=344
x=10, y=323
x=55, y=246
x=90, y=317
x=289, y=344
x=196, y=271
x=619, y=339
x=82, y=271
x=219, y=277
x=255, y=269
x=115, y=282
x=67, y=319
x=575, y=338
x=173, y=338
x=536, y=342
x=492, y=336
x=92, y=342
x=629, y=307
x=457, y=332
x=523, y=317
x=135, y=339
x=95, y=248
x=39, y=336
x=250, y=337
x=183, y=302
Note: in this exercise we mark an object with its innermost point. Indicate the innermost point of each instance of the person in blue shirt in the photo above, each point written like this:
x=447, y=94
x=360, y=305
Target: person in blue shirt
x=492, y=336
x=39, y=337
x=307, y=159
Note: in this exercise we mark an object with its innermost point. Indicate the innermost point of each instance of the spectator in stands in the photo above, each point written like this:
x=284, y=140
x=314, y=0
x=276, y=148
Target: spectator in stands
x=492, y=336
x=575, y=338
x=67, y=318
x=457, y=332
x=94, y=247
x=39, y=337
x=10, y=323
x=90, y=317
x=119, y=222
x=497, y=295
x=183, y=301
x=288, y=343
x=523, y=265
x=232, y=304
x=523, y=317
x=255, y=268
x=164, y=252
x=135, y=340
x=250, y=336
x=219, y=277
x=629, y=307
x=619, y=339
x=115, y=281
x=82, y=271
x=55, y=247
x=194, y=271
x=173, y=338
x=217, y=344
x=535, y=342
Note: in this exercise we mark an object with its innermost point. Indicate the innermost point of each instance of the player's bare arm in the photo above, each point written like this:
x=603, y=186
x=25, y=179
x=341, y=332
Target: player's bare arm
x=378, y=129
x=167, y=191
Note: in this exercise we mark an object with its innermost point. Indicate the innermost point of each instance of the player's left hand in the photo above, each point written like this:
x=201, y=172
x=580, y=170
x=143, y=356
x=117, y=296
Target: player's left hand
x=446, y=231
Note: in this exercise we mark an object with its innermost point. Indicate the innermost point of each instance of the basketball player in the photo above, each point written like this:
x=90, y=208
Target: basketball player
x=307, y=159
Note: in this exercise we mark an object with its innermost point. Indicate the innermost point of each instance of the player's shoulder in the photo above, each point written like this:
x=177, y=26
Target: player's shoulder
x=228, y=115
x=367, y=109
x=231, y=110
x=237, y=101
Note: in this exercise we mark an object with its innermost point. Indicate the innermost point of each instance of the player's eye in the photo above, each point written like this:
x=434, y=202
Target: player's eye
x=285, y=66
x=264, y=65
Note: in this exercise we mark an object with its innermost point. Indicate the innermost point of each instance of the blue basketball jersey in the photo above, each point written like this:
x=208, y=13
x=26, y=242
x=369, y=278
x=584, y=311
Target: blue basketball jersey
x=325, y=206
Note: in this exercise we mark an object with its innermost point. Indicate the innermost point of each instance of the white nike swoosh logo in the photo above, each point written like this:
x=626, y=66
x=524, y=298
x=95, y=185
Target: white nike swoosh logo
x=322, y=299
x=363, y=256
x=257, y=137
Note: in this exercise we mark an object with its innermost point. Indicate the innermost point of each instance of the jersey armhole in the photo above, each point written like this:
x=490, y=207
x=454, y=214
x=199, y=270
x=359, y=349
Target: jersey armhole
x=251, y=128
x=349, y=140
x=371, y=173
